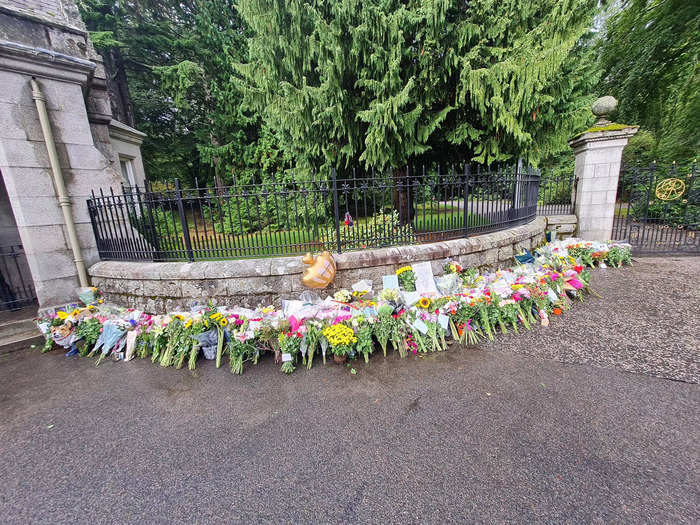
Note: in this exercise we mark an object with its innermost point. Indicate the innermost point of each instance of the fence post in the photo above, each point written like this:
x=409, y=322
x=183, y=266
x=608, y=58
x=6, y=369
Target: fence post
x=465, y=205
x=183, y=221
x=335, y=210
x=518, y=179
x=152, y=236
x=534, y=195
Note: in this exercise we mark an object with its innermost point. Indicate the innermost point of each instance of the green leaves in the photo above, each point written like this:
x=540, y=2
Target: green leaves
x=384, y=82
x=650, y=57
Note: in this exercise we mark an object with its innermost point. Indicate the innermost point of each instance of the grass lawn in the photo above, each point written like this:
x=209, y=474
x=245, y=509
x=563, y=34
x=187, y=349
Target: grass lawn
x=269, y=243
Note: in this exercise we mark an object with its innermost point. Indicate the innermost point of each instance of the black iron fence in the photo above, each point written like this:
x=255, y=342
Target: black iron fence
x=657, y=208
x=556, y=194
x=16, y=286
x=355, y=211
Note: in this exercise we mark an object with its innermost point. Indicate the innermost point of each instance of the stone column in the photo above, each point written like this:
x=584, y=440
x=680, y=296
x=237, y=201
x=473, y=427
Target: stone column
x=54, y=49
x=598, y=153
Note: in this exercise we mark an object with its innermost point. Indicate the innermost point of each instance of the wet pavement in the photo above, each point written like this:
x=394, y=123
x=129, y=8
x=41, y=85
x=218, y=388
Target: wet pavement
x=547, y=426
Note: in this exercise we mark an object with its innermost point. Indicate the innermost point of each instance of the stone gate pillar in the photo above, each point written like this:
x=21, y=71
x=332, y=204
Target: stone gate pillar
x=598, y=153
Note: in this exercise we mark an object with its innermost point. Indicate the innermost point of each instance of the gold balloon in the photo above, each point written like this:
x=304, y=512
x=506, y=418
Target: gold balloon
x=321, y=270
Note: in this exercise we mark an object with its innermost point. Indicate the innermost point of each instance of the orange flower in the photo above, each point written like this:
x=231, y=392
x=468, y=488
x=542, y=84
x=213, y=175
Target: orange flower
x=557, y=311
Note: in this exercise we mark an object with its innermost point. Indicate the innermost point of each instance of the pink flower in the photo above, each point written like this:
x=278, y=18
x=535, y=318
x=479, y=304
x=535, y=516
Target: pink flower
x=294, y=323
x=575, y=283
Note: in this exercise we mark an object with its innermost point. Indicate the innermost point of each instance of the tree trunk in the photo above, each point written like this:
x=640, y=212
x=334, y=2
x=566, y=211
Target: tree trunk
x=403, y=203
x=117, y=87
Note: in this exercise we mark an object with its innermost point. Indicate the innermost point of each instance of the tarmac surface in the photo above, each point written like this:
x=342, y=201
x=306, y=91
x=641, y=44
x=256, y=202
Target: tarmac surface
x=546, y=426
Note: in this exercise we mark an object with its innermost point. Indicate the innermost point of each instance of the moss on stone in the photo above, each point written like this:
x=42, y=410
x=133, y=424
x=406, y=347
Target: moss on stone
x=613, y=126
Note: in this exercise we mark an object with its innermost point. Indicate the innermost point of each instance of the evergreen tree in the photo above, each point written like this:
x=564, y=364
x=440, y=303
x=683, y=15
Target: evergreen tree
x=650, y=58
x=178, y=57
x=383, y=82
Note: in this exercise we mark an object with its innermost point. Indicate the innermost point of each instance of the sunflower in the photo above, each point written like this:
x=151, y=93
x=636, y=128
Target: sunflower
x=424, y=303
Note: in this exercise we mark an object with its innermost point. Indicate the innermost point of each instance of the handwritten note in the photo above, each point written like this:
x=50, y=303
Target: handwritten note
x=425, y=281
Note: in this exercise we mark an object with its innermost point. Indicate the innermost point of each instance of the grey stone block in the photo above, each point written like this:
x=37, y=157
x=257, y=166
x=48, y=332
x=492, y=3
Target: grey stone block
x=505, y=252
x=161, y=288
x=176, y=304
x=203, y=288
x=260, y=285
x=561, y=219
x=521, y=246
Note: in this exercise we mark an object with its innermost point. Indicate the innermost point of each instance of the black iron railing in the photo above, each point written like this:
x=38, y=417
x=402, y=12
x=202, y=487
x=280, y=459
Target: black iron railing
x=657, y=208
x=16, y=286
x=355, y=211
x=556, y=194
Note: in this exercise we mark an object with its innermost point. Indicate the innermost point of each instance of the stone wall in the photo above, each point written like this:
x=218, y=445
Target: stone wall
x=563, y=225
x=160, y=287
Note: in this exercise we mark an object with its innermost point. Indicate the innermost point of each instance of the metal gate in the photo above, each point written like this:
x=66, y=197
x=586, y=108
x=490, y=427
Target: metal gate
x=16, y=286
x=658, y=209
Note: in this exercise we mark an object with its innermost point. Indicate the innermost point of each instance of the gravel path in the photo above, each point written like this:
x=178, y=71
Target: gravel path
x=647, y=322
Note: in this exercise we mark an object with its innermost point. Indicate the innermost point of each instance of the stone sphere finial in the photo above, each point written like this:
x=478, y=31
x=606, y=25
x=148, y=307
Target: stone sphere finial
x=603, y=107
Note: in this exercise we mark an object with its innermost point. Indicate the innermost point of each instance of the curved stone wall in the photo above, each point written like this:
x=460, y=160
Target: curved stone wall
x=169, y=286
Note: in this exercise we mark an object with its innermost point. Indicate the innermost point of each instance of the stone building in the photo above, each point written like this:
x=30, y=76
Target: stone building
x=45, y=53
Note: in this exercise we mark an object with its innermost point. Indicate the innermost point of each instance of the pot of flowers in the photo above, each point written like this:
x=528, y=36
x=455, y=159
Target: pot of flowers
x=342, y=338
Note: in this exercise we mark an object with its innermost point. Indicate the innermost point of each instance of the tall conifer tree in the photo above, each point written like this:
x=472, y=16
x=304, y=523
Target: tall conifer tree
x=382, y=82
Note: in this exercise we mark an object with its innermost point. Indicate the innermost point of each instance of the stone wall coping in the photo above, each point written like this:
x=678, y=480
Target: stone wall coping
x=562, y=219
x=120, y=131
x=45, y=63
x=602, y=136
x=277, y=266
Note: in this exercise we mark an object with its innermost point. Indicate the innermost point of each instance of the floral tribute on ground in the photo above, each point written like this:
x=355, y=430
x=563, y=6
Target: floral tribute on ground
x=414, y=313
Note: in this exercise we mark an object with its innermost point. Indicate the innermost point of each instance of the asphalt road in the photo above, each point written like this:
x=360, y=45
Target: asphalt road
x=479, y=435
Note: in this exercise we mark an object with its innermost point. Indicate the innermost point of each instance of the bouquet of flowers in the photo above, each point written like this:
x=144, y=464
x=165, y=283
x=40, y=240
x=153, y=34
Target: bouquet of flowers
x=472, y=305
x=407, y=279
x=290, y=345
x=363, y=332
x=383, y=327
x=342, y=340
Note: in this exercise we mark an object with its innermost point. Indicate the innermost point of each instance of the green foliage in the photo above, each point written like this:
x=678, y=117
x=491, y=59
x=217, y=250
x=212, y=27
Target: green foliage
x=640, y=150
x=381, y=229
x=650, y=57
x=381, y=81
x=166, y=223
x=178, y=57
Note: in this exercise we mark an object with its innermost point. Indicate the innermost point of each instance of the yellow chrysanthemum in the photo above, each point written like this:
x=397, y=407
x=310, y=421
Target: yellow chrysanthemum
x=404, y=269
